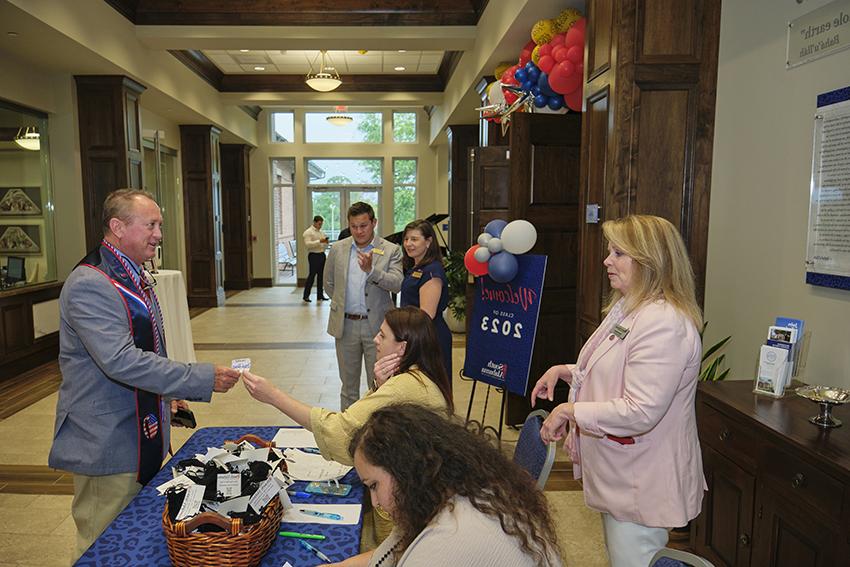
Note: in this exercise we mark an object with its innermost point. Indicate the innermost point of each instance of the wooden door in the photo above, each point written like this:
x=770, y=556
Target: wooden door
x=650, y=79
x=461, y=138
x=724, y=529
x=545, y=161
x=489, y=187
x=236, y=215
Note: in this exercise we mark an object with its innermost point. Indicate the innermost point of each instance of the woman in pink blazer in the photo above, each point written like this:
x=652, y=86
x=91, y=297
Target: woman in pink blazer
x=632, y=429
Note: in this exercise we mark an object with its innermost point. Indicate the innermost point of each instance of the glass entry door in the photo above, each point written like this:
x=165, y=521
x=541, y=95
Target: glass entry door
x=333, y=204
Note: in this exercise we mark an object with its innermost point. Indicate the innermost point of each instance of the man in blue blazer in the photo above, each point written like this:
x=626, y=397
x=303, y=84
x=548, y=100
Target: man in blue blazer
x=113, y=416
x=364, y=271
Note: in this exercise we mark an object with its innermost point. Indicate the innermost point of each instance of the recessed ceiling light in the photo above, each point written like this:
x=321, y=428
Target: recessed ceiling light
x=243, y=50
x=12, y=34
x=259, y=68
x=399, y=68
x=402, y=51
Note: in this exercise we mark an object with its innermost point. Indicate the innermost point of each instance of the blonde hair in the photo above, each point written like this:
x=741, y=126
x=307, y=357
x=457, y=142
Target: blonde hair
x=662, y=269
x=119, y=205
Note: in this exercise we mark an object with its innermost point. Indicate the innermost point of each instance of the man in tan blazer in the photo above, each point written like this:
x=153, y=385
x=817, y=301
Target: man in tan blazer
x=364, y=269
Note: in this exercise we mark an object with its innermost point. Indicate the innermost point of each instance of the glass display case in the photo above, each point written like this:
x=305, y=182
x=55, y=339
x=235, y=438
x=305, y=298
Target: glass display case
x=27, y=252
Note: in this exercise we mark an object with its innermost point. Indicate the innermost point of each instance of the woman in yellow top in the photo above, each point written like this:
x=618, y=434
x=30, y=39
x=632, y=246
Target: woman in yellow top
x=409, y=369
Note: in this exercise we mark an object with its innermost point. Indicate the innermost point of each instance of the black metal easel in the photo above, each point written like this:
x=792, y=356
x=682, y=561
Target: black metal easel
x=479, y=425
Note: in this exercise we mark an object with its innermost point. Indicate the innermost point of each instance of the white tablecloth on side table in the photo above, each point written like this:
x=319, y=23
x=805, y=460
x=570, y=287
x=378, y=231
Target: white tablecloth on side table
x=171, y=292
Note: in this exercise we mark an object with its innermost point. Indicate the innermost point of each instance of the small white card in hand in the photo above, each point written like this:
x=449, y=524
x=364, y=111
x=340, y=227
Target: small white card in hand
x=264, y=493
x=241, y=364
x=192, y=502
x=229, y=485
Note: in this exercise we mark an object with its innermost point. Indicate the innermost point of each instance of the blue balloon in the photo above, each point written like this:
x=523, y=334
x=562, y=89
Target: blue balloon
x=520, y=75
x=502, y=267
x=534, y=75
x=555, y=102
x=535, y=90
x=540, y=101
x=530, y=65
x=526, y=86
x=543, y=85
x=495, y=227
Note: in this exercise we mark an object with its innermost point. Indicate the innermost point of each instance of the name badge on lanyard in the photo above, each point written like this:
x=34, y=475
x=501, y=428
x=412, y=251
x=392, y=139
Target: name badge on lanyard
x=620, y=332
x=417, y=274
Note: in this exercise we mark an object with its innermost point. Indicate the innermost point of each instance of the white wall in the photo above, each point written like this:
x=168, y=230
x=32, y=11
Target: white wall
x=261, y=198
x=760, y=193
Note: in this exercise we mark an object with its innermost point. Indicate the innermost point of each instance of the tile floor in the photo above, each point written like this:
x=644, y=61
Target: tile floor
x=37, y=530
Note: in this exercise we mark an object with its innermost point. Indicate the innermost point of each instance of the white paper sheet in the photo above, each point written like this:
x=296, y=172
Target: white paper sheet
x=235, y=505
x=181, y=480
x=261, y=454
x=304, y=466
x=264, y=493
x=294, y=437
x=229, y=485
x=192, y=502
x=350, y=514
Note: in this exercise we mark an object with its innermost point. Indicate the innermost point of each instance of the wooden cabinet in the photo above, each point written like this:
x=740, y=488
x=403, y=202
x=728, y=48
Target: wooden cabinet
x=236, y=215
x=20, y=348
x=779, y=487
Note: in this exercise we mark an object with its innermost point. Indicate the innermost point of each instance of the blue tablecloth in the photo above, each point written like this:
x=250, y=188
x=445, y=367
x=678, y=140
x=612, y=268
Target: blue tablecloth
x=135, y=537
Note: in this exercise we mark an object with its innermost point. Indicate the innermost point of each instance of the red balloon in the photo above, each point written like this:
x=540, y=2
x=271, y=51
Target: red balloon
x=558, y=40
x=559, y=53
x=574, y=37
x=508, y=78
x=573, y=100
x=525, y=54
x=575, y=53
x=545, y=49
x=580, y=24
x=545, y=63
x=510, y=96
x=563, y=79
x=475, y=267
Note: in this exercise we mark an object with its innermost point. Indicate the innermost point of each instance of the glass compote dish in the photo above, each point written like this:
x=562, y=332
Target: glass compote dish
x=825, y=397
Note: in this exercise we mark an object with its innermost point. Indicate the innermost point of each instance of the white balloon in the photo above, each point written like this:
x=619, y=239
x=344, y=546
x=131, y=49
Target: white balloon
x=484, y=238
x=495, y=94
x=494, y=245
x=482, y=255
x=519, y=237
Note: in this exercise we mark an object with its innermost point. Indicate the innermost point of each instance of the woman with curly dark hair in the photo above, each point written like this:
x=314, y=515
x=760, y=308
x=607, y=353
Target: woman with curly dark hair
x=454, y=498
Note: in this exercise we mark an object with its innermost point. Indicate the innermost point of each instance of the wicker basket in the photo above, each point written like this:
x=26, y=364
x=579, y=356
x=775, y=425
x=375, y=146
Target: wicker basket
x=237, y=546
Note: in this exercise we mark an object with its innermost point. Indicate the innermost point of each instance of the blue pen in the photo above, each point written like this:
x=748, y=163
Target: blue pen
x=318, y=553
x=299, y=493
x=311, y=450
x=325, y=515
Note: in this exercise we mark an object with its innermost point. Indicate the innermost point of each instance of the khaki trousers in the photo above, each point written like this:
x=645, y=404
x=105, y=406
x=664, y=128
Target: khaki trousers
x=352, y=350
x=97, y=501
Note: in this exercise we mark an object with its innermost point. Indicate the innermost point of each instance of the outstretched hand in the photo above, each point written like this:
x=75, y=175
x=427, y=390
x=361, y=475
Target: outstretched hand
x=225, y=378
x=545, y=387
x=260, y=388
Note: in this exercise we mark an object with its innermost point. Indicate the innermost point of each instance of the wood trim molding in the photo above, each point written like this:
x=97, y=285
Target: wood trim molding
x=448, y=65
x=200, y=64
x=261, y=282
x=302, y=12
x=350, y=83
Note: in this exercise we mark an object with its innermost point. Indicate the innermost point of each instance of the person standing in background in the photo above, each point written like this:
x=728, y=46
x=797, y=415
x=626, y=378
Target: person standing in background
x=315, y=241
x=113, y=415
x=364, y=270
x=425, y=285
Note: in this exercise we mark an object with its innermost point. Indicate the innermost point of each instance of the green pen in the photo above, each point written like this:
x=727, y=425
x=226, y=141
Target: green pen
x=300, y=535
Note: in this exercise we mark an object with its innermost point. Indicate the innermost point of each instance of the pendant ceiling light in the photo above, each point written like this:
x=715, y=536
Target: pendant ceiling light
x=28, y=138
x=340, y=119
x=327, y=79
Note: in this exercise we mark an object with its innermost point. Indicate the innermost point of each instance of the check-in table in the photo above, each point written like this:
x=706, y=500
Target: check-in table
x=171, y=293
x=135, y=537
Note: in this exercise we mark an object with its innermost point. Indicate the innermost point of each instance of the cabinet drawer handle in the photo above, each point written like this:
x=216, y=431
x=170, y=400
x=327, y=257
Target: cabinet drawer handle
x=744, y=539
x=724, y=434
x=798, y=480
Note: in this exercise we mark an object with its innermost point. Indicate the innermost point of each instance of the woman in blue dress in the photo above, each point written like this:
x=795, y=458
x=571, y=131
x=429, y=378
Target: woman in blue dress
x=425, y=284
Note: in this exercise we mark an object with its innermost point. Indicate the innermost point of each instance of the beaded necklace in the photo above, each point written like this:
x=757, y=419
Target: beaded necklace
x=386, y=555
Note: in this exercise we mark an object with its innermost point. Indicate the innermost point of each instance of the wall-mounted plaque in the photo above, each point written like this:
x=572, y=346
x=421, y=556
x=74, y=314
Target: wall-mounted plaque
x=20, y=239
x=23, y=201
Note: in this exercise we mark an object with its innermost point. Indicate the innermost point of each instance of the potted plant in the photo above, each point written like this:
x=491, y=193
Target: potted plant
x=456, y=277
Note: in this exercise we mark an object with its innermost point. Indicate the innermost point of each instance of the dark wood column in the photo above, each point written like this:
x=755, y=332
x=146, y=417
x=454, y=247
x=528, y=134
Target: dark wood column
x=650, y=81
x=110, y=142
x=236, y=213
x=199, y=146
x=461, y=138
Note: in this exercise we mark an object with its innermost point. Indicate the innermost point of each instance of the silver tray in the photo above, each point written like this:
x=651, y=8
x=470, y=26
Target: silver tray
x=825, y=397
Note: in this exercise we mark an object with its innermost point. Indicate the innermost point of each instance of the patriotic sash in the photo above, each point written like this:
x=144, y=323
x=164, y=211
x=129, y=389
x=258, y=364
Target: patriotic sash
x=146, y=328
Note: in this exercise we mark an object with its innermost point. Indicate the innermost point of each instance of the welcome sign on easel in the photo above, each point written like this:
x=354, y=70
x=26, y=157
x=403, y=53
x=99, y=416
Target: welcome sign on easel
x=504, y=325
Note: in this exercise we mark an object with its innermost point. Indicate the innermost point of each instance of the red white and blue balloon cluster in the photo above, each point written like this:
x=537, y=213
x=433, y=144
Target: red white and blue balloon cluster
x=495, y=253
